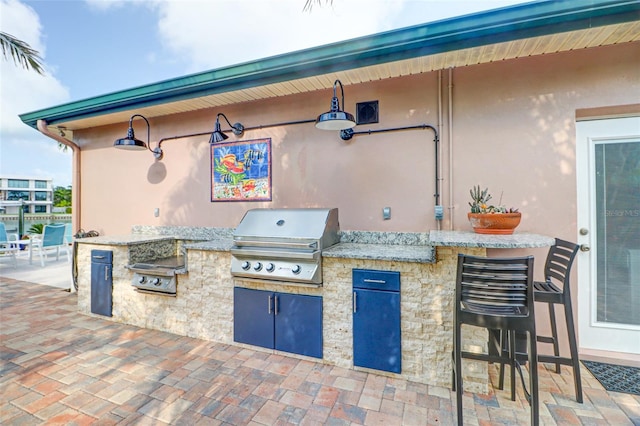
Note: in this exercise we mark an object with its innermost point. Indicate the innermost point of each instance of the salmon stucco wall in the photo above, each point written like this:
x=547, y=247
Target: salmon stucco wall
x=513, y=131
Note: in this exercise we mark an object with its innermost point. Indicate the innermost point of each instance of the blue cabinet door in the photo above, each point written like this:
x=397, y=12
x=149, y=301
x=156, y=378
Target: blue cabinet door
x=286, y=322
x=253, y=317
x=376, y=330
x=101, y=282
x=298, y=323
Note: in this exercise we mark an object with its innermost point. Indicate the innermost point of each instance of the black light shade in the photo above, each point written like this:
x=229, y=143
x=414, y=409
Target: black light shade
x=336, y=118
x=130, y=142
x=219, y=136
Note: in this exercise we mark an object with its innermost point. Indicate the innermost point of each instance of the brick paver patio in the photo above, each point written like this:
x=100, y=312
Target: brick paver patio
x=60, y=367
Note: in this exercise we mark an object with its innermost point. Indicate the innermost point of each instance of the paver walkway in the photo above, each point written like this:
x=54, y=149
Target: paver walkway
x=61, y=367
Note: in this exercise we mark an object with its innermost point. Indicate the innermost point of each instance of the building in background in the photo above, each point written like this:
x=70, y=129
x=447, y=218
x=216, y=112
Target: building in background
x=35, y=195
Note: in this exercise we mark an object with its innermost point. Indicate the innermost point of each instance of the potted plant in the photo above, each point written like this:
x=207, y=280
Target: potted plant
x=490, y=219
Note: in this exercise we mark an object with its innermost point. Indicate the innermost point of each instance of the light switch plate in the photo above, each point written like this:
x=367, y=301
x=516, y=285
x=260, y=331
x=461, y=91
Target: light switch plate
x=386, y=213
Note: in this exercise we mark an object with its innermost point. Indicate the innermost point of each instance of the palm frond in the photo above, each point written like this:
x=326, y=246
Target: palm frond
x=308, y=5
x=21, y=53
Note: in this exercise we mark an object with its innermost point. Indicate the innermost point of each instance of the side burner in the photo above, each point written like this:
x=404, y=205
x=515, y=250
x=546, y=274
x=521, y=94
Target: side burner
x=158, y=276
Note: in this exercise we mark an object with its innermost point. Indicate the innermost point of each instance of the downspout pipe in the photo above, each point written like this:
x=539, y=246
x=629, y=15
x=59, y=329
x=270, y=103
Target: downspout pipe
x=439, y=209
x=450, y=110
x=75, y=175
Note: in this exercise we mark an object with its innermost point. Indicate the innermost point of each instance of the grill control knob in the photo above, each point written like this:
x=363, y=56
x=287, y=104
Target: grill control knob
x=258, y=266
x=271, y=267
x=296, y=269
x=246, y=265
x=142, y=280
x=155, y=281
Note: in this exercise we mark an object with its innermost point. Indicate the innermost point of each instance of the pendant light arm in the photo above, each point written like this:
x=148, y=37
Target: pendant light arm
x=335, y=96
x=148, y=128
x=157, y=151
x=237, y=128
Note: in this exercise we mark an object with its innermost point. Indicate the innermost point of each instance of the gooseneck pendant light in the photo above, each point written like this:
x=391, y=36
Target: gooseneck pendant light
x=218, y=135
x=336, y=118
x=130, y=142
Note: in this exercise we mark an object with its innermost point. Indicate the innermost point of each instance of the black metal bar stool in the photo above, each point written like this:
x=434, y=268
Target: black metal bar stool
x=555, y=290
x=557, y=271
x=495, y=293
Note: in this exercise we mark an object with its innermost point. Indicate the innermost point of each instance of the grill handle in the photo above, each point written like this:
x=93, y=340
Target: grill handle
x=246, y=252
x=270, y=244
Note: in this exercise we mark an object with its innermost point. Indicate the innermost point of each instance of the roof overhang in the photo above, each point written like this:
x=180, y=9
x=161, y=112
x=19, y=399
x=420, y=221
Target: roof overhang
x=529, y=29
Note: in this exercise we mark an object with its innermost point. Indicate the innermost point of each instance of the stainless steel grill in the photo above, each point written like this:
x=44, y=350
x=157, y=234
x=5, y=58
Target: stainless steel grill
x=283, y=245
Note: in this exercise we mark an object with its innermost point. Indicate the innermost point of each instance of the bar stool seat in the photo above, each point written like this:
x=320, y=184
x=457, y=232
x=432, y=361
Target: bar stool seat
x=547, y=292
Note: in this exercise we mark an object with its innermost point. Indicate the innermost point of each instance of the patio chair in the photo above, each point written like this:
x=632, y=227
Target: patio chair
x=8, y=244
x=52, y=239
x=495, y=293
x=68, y=234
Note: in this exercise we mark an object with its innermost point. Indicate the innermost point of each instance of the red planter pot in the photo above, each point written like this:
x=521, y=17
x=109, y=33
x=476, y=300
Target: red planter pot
x=494, y=223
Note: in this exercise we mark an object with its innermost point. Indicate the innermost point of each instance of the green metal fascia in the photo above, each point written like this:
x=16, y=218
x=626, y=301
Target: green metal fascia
x=500, y=25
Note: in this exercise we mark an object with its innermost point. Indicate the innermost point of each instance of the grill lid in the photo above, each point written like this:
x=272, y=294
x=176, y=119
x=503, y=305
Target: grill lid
x=168, y=266
x=293, y=226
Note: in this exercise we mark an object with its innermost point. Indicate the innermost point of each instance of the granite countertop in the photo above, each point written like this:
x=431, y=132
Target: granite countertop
x=124, y=240
x=471, y=239
x=215, y=237
x=394, y=246
x=400, y=253
x=218, y=244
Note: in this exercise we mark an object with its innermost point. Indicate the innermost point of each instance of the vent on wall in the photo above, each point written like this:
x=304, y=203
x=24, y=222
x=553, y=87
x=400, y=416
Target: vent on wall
x=367, y=112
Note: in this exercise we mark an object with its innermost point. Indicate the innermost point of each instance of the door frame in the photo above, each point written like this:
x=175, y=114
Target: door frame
x=594, y=336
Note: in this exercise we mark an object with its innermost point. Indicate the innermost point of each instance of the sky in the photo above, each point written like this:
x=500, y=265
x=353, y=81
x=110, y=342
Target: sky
x=94, y=47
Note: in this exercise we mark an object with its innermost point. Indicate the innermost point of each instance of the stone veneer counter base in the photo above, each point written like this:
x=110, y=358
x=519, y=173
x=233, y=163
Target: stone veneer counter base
x=203, y=307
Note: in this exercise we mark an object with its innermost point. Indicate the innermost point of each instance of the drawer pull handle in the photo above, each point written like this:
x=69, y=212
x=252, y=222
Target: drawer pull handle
x=99, y=257
x=368, y=280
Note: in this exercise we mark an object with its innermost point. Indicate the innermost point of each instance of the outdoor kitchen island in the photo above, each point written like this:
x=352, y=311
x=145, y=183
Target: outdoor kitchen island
x=203, y=306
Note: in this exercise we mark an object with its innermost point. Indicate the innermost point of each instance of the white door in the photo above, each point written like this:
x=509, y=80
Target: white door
x=608, y=179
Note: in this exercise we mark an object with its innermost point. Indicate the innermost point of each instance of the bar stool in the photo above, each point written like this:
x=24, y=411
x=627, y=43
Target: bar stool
x=557, y=270
x=555, y=290
x=495, y=293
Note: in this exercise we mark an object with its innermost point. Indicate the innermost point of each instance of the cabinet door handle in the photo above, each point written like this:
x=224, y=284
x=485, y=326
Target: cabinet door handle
x=106, y=273
x=270, y=306
x=355, y=303
x=369, y=280
x=275, y=305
